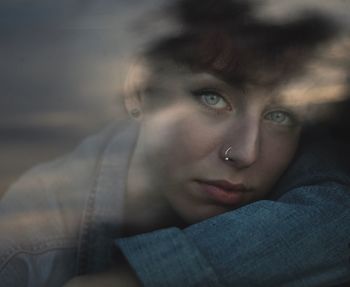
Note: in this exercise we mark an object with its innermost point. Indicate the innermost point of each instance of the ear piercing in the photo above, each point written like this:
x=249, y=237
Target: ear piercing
x=135, y=113
x=227, y=154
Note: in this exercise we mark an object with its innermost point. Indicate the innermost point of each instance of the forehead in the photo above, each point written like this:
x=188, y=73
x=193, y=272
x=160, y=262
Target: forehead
x=324, y=80
x=320, y=85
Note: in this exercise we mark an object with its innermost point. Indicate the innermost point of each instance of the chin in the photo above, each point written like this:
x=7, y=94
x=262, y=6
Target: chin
x=198, y=214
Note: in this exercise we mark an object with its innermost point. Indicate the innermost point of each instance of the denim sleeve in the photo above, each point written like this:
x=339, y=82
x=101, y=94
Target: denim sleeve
x=286, y=243
x=299, y=238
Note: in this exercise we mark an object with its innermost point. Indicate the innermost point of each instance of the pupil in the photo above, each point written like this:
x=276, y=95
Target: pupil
x=212, y=99
x=278, y=116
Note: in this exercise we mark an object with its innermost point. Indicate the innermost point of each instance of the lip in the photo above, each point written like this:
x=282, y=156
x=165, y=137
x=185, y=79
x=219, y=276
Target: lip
x=222, y=191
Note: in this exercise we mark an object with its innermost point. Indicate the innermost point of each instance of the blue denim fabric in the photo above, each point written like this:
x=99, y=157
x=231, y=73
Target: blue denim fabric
x=298, y=238
x=60, y=219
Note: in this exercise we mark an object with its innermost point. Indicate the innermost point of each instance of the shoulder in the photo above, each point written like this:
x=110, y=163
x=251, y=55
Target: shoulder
x=43, y=211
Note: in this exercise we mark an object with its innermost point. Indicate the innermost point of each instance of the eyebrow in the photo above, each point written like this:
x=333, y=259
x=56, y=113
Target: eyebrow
x=203, y=78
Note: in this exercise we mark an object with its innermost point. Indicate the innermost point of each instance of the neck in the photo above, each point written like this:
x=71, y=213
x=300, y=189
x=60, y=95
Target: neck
x=146, y=208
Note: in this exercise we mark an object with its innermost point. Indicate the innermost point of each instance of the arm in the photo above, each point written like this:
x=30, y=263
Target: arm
x=300, y=239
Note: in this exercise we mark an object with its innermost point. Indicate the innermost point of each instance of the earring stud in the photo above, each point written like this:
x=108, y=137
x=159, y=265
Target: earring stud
x=135, y=113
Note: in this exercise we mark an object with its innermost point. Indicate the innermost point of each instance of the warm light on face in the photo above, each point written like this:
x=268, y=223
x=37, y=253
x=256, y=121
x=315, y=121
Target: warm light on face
x=188, y=120
x=324, y=80
x=190, y=117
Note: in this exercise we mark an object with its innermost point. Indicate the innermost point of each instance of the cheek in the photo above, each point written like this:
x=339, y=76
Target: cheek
x=183, y=142
x=194, y=140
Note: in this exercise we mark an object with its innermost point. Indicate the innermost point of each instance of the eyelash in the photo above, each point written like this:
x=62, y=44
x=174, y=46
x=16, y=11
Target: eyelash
x=199, y=94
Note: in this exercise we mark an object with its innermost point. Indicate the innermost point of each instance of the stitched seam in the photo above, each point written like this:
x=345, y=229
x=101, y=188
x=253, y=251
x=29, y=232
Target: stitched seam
x=87, y=221
x=38, y=248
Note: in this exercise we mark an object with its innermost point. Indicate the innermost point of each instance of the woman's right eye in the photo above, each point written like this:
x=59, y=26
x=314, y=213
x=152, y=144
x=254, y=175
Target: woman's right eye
x=213, y=100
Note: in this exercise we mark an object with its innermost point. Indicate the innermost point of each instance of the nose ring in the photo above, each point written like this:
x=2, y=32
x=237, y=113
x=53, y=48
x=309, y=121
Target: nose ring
x=227, y=154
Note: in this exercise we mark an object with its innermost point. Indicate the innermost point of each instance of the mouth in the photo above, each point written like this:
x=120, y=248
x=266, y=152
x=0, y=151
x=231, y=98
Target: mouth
x=222, y=191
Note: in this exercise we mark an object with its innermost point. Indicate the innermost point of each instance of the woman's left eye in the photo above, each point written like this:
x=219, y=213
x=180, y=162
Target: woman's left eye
x=280, y=118
x=213, y=100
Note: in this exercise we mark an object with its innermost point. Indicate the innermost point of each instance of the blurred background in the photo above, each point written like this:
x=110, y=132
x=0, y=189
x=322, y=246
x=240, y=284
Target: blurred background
x=62, y=67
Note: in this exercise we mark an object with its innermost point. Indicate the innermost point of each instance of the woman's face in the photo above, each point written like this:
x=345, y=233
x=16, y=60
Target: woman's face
x=192, y=123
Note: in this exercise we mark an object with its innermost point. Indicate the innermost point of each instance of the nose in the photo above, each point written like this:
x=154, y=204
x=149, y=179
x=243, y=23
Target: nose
x=242, y=144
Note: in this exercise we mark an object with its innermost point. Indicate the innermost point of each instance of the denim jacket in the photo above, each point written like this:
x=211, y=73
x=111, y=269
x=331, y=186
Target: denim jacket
x=60, y=219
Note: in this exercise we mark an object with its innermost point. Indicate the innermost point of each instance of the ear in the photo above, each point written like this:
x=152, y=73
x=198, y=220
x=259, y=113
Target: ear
x=136, y=78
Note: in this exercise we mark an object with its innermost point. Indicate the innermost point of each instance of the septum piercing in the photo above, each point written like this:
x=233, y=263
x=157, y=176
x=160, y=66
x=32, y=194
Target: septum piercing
x=227, y=157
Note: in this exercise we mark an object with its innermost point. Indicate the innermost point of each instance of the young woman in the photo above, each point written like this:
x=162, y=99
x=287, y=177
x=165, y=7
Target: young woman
x=217, y=119
x=221, y=107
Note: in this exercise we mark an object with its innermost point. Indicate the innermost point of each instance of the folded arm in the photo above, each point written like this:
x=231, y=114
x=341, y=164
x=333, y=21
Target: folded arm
x=301, y=238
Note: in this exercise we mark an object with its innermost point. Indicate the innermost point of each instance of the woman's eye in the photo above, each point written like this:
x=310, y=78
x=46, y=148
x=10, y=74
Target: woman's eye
x=280, y=118
x=213, y=100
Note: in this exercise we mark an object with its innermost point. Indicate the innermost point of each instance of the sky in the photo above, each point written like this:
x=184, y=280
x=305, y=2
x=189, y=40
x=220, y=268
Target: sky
x=63, y=64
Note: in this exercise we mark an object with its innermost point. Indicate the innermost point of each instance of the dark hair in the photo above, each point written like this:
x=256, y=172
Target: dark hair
x=225, y=38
